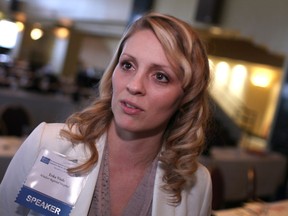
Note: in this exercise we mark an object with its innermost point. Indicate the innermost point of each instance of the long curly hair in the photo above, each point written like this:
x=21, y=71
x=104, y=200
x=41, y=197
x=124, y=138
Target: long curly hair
x=184, y=136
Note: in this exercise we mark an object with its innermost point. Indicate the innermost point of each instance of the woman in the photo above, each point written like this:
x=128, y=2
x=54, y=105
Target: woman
x=139, y=141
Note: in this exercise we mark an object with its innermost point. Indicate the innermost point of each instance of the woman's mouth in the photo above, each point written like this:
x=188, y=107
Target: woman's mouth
x=130, y=108
x=129, y=105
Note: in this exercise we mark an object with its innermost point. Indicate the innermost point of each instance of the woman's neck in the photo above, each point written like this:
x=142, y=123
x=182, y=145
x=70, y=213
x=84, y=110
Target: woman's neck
x=132, y=150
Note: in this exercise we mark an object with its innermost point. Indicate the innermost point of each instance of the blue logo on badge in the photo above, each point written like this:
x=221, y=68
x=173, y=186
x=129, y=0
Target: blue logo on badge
x=45, y=160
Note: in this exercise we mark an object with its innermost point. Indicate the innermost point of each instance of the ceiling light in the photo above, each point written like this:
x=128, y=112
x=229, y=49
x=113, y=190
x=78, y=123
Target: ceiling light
x=36, y=33
x=20, y=26
x=61, y=32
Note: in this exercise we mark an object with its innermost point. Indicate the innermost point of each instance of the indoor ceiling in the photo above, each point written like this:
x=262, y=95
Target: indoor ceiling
x=109, y=16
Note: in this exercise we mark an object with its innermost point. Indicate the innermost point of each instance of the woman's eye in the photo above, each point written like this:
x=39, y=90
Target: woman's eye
x=161, y=77
x=126, y=66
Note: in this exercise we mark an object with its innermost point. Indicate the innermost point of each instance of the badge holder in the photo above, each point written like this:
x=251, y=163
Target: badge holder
x=49, y=189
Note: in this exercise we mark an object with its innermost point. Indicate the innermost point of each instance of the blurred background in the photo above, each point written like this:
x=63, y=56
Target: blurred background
x=53, y=53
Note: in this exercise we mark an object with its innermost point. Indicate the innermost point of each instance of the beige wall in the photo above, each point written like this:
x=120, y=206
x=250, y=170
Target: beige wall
x=263, y=21
x=96, y=51
x=183, y=9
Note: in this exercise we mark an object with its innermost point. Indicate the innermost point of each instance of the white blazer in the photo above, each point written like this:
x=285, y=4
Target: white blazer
x=196, y=201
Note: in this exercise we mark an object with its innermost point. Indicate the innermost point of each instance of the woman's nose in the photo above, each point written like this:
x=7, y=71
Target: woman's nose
x=136, y=84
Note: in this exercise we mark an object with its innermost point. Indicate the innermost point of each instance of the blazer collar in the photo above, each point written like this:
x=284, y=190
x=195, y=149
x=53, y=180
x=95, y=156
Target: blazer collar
x=83, y=203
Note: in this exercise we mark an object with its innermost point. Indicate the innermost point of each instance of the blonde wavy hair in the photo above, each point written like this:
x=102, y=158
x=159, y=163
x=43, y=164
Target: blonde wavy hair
x=184, y=136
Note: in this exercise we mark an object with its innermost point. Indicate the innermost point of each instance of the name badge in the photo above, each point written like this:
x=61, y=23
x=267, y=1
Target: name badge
x=49, y=189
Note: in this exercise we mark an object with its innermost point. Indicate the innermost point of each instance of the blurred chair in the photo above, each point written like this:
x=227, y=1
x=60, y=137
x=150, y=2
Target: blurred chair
x=251, y=184
x=15, y=120
x=217, y=188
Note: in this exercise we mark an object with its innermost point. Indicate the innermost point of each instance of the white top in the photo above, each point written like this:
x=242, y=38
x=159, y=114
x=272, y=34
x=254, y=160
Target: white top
x=196, y=201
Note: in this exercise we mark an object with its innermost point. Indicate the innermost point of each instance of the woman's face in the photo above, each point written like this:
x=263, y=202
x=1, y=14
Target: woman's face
x=146, y=91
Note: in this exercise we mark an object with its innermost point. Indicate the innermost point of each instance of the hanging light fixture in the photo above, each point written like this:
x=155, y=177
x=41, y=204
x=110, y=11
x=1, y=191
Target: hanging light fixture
x=61, y=32
x=36, y=33
x=20, y=26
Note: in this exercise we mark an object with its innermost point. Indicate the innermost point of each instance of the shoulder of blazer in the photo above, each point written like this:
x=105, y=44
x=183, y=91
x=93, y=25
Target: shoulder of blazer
x=51, y=139
x=196, y=200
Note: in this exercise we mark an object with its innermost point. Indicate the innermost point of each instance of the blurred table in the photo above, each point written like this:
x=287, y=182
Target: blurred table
x=41, y=107
x=8, y=147
x=234, y=163
x=279, y=208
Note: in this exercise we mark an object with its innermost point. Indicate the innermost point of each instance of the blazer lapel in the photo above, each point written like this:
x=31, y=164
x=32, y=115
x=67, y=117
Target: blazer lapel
x=83, y=203
x=160, y=205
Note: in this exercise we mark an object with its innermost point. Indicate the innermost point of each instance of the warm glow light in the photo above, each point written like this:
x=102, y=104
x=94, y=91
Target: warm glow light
x=8, y=35
x=20, y=26
x=238, y=77
x=61, y=32
x=222, y=72
x=211, y=64
x=261, y=77
x=216, y=30
x=36, y=33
